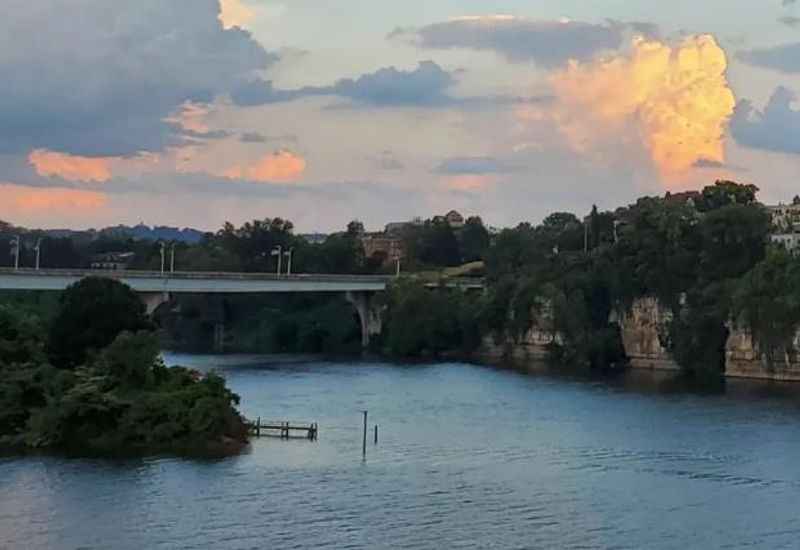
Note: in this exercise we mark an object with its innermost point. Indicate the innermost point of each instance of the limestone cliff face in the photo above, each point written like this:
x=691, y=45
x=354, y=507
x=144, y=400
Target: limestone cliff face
x=644, y=329
x=745, y=360
x=644, y=334
x=532, y=346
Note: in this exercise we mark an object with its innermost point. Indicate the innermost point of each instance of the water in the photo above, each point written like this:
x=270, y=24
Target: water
x=469, y=457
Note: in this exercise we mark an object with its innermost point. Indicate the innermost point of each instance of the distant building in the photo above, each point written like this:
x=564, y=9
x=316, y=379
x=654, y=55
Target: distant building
x=785, y=217
x=389, y=247
x=786, y=225
x=790, y=241
x=112, y=261
x=689, y=198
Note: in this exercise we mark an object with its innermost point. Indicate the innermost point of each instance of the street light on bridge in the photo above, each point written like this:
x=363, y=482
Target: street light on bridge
x=288, y=254
x=278, y=251
x=15, y=250
x=38, y=250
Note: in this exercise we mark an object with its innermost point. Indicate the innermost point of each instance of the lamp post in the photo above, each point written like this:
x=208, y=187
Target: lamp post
x=172, y=258
x=288, y=254
x=278, y=251
x=38, y=250
x=15, y=246
x=163, y=247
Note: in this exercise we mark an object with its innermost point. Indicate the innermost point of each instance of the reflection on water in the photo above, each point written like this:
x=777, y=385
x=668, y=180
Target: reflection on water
x=469, y=457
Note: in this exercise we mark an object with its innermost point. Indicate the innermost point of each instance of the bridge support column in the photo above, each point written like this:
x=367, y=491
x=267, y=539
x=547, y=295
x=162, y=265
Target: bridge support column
x=368, y=314
x=154, y=299
x=219, y=338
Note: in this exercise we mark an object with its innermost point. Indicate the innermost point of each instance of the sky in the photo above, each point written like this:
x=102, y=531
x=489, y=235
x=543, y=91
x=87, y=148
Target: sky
x=197, y=112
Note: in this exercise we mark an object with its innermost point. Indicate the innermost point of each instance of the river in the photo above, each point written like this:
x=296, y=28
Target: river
x=469, y=457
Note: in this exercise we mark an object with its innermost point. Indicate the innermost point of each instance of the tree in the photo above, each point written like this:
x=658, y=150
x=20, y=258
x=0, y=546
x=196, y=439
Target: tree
x=20, y=338
x=724, y=193
x=355, y=228
x=767, y=302
x=475, y=240
x=796, y=200
x=92, y=313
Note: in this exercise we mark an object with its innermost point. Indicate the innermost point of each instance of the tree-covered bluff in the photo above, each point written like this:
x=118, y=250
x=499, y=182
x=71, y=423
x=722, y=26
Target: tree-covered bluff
x=705, y=257
x=93, y=383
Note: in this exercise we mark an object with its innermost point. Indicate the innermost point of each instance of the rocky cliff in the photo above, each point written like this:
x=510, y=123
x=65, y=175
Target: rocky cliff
x=745, y=360
x=644, y=330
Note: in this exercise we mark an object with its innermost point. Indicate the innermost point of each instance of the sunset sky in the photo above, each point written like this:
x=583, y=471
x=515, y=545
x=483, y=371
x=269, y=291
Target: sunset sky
x=194, y=112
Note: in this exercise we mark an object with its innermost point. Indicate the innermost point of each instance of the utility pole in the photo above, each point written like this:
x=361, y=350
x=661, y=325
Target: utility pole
x=38, y=249
x=364, y=444
x=15, y=249
x=278, y=251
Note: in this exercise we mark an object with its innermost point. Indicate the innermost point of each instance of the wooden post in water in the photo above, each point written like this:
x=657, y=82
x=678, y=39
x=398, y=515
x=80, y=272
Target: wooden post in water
x=258, y=427
x=376, y=434
x=364, y=445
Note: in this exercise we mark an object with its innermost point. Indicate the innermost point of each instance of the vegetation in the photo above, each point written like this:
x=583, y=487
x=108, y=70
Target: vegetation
x=705, y=256
x=112, y=394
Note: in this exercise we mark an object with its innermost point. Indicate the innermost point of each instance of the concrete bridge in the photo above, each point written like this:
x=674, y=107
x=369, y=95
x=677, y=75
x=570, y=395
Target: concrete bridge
x=155, y=288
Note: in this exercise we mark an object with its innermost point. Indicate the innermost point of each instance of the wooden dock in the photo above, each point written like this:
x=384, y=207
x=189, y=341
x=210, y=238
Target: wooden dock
x=285, y=429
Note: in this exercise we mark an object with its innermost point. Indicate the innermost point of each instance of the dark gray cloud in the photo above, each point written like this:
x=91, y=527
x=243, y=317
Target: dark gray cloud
x=708, y=163
x=474, y=166
x=548, y=43
x=790, y=21
x=210, y=135
x=98, y=77
x=776, y=128
x=425, y=85
x=784, y=58
x=255, y=137
x=251, y=93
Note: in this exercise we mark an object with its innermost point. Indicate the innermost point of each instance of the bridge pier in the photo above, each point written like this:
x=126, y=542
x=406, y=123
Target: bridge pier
x=152, y=300
x=369, y=315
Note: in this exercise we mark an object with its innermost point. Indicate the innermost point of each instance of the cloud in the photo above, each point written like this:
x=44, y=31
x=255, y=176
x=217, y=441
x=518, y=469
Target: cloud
x=21, y=201
x=470, y=182
x=473, y=166
x=776, y=128
x=281, y=166
x=784, y=58
x=426, y=85
x=102, y=80
x=675, y=99
x=70, y=167
x=790, y=21
x=547, y=43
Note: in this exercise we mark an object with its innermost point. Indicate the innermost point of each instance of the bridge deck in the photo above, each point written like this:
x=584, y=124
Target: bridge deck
x=194, y=282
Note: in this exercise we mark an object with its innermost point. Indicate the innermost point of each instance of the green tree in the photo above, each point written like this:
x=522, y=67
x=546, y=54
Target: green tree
x=724, y=193
x=93, y=312
x=767, y=302
x=475, y=240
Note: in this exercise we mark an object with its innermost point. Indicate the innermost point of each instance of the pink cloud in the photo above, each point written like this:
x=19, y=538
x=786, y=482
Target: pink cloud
x=70, y=167
x=20, y=201
x=280, y=166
